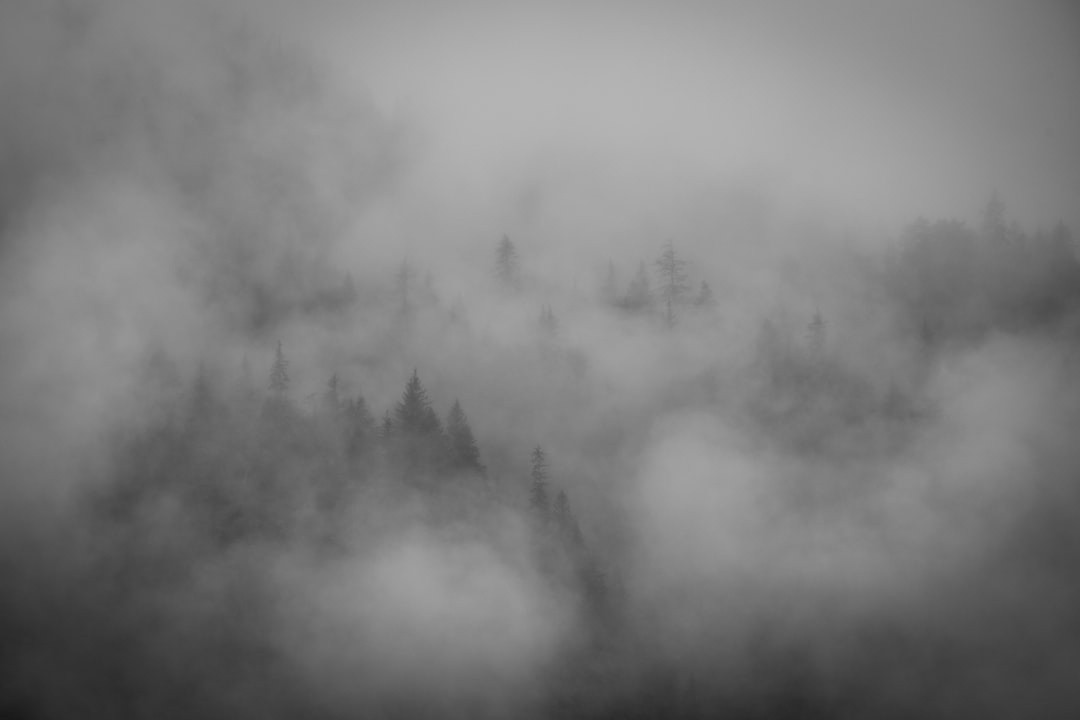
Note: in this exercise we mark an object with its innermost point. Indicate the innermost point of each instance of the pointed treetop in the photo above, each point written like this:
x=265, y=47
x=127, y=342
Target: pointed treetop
x=538, y=496
x=507, y=271
x=413, y=413
x=279, y=373
x=465, y=452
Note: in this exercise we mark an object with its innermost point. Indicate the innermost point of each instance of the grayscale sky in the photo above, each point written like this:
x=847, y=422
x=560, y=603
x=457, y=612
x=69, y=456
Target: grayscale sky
x=883, y=110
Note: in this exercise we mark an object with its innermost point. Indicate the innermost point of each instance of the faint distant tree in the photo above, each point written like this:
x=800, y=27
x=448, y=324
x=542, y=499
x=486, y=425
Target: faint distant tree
x=994, y=227
x=465, y=454
x=673, y=286
x=279, y=374
x=539, y=503
x=549, y=324
x=704, y=297
x=507, y=270
x=386, y=430
x=639, y=297
x=565, y=522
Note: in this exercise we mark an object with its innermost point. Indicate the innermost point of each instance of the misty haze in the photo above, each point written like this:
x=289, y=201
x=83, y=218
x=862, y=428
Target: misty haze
x=539, y=360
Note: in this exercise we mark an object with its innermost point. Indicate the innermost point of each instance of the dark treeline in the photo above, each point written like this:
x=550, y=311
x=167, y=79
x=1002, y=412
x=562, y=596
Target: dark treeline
x=290, y=428
x=237, y=465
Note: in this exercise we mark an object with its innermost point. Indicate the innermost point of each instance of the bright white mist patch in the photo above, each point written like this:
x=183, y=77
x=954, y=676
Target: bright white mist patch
x=433, y=617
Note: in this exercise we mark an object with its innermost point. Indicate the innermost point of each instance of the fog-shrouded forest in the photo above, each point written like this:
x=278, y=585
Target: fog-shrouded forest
x=539, y=360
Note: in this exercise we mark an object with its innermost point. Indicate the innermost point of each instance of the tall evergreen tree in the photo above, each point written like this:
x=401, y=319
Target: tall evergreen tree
x=539, y=502
x=671, y=270
x=465, y=454
x=507, y=270
x=413, y=413
x=279, y=374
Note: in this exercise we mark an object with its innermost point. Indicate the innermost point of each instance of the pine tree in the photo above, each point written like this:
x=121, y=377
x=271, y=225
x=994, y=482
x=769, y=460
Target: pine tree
x=561, y=515
x=418, y=446
x=671, y=270
x=413, y=414
x=538, y=490
x=993, y=220
x=507, y=271
x=279, y=374
x=465, y=454
x=386, y=430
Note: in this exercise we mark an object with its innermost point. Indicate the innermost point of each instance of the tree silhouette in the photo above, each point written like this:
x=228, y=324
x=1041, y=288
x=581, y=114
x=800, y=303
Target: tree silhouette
x=538, y=490
x=279, y=374
x=465, y=454
x=671, y=270
x=507, y=271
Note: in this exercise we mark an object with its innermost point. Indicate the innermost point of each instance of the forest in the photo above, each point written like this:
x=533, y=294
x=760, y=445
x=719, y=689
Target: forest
x=285, y=433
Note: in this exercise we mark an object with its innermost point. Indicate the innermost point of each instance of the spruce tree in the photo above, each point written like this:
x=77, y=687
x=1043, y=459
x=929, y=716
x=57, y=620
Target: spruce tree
x=279, y=374
x=507, y=271
x=538, y=490
x=413, y=413
x=465, y=454
x=671, y=270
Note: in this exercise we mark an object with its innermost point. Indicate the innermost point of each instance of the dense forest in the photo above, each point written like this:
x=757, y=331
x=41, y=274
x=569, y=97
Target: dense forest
x=266, y=454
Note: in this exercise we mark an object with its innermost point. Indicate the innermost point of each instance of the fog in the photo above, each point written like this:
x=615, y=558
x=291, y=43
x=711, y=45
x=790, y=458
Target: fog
x=762, y=322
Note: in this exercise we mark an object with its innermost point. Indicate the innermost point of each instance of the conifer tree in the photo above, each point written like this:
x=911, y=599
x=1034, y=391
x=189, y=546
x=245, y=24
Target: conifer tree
x=386, y=429
x=413, y=413
x=507, y=271
x=538, y=490
x=279, y=374
x=671, y=270
x=465, y=454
